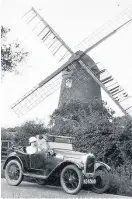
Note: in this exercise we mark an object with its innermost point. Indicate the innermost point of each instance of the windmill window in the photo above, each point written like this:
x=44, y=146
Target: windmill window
x=4, y=144
x=68, y=83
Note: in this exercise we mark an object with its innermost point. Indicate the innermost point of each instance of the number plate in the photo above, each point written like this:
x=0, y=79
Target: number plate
x=89, y=181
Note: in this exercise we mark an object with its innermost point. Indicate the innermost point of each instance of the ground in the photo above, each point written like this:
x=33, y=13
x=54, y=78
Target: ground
x=32, y=190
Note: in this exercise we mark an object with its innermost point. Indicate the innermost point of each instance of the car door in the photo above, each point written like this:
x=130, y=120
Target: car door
x=44, y=163
x=53, y=161
x=38, y=160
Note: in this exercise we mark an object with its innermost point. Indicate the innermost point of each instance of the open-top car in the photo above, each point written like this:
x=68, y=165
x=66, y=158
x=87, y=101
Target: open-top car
x=72, y=168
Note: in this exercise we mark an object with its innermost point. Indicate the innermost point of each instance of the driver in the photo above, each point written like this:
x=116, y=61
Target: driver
x=33, y=146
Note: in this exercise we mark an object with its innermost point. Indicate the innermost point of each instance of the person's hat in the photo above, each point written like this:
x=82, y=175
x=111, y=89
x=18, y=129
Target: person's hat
x=32, y=139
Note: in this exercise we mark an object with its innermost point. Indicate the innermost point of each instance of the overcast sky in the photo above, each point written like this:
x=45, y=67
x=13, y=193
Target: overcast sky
x=73, y=20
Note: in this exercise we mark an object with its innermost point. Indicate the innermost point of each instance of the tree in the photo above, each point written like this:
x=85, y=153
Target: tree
x=11, y=53
x=28, y=129
x=96, y=130
x=8, y=135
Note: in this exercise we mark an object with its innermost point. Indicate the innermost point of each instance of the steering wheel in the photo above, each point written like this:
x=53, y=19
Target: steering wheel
x=50, y=153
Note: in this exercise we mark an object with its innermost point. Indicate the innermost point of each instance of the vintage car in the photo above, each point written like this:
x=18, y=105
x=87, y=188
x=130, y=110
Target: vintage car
x=73, y=169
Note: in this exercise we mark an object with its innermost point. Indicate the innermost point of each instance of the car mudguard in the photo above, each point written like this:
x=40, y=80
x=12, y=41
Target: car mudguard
x=79, y=165
x=63, y=164
x=14, y=156
x=102, y=164
x=68, y=162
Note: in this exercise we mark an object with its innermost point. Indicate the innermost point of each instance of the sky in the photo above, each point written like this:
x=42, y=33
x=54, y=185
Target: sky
x=73, y=20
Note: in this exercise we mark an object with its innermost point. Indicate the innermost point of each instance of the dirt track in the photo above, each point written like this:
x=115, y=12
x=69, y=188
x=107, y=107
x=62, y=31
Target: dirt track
x=31, y=190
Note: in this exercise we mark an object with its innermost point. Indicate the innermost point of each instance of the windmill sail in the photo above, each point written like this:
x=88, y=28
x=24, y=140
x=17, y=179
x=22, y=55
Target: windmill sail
x=111, y=87
x=49, y=37
x=44, y=89
x=41, y=91
x=36, y=95
x=50, y=85
x=106, y=30
x=53, y=83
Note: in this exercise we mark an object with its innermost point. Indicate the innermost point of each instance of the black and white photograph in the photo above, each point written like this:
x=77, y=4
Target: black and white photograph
x=66, y=99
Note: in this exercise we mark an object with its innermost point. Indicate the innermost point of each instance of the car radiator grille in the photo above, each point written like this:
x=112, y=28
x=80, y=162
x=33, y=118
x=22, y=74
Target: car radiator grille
x=90, y=162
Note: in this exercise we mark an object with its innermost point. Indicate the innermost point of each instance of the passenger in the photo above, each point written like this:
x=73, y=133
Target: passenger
x=33, y=146
x=42, y=143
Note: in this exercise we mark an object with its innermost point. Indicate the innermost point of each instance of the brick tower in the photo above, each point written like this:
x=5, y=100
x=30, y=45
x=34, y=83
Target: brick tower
x=77, y=84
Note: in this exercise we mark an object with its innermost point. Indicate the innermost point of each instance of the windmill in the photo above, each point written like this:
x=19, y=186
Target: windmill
x=74, y=63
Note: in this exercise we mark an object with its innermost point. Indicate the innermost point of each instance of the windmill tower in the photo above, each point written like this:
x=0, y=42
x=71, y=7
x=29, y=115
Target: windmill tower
x=77, y=84
x=79, y=67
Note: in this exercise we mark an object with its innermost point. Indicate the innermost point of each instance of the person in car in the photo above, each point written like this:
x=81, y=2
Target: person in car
x=33, y=146
x=42, y=143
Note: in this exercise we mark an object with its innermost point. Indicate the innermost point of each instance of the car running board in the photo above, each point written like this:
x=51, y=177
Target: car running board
x=35, y=175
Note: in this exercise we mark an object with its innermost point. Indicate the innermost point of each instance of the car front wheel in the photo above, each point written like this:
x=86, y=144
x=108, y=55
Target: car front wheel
x=71, y=179
x=102, y=177
x=13, y=173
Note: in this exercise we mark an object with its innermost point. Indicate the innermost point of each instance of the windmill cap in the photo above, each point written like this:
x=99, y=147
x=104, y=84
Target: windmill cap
x=32, y=139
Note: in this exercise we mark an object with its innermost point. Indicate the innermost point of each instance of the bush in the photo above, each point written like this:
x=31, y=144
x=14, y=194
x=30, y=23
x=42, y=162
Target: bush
x=95, y=130
x=120, y=185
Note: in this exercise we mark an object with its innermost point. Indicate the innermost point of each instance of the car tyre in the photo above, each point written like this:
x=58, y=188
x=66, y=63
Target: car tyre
x=13, y=173
x=71, y=179
x=99, y=187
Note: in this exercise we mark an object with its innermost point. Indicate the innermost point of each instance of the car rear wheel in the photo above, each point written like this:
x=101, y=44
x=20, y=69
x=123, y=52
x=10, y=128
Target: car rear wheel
x=71, y=179
x=102, y=177
x=13, y=173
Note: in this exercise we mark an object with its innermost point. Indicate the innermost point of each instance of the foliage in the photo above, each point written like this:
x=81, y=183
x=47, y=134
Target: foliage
x=11, y=53
x=7, y=135
x=21, y=134
x=120, y=184
x=4, y=31
x=28, y=129
x=96, y=130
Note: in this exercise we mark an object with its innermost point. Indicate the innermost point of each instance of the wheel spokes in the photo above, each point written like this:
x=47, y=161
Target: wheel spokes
x=13, y=172
x=71, y=179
